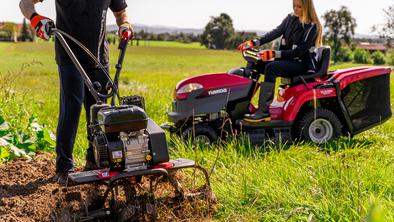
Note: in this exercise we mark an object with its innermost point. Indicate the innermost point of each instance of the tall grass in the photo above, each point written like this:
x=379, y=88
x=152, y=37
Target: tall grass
x=346, y=180
x=342, y=181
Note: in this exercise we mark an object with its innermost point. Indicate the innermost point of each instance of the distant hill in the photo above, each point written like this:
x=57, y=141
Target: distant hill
x=363, y=36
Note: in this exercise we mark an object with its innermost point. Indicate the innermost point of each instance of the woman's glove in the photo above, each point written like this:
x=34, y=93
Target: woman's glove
x=42, y=25
x=267, y=55
x=124, y=28
x=245, y=46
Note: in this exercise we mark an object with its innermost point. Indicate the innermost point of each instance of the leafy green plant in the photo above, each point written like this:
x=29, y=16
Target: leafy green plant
x=344, y=55
x=23, y=141
x=390, y=57
x=360, y=56
x=378, y=58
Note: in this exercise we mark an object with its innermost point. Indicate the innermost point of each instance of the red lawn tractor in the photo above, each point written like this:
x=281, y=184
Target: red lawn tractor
x=318, y=107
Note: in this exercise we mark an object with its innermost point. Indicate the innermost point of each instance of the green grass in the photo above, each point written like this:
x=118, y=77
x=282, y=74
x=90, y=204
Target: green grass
x=302, y=181
x=348, y=180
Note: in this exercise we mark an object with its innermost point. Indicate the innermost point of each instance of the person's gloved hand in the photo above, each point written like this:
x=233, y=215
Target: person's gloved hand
x=42, y=25
x=267, y=55
x=124, y=28
x=245, y=46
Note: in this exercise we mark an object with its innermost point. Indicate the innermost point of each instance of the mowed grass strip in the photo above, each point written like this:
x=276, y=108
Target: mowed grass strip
x=347, y=180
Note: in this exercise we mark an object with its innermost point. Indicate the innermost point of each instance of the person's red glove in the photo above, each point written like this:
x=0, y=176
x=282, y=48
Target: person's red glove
x=245, y=46
x=267, y=55
x=42, y=25
x=126, y=27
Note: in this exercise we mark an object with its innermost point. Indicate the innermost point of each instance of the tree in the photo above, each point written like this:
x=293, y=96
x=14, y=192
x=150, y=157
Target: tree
x=218, y=32
x=360, y=56
x=386, y=31
x=390, y=57
x=345, y=55
x=142, y=35
x=340, y=27
x=9, y=28
x=25, y=32
x=378, y=58
x=236, y=40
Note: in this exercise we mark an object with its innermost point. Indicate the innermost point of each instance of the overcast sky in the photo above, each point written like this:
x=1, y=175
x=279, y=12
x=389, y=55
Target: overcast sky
x=247, y=15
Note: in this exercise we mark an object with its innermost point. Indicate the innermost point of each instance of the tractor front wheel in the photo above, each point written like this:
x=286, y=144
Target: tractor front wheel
x=200, y=133
x=319, y=126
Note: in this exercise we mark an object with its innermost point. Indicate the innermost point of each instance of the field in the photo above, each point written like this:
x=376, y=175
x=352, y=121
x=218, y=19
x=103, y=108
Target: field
x=348, y=180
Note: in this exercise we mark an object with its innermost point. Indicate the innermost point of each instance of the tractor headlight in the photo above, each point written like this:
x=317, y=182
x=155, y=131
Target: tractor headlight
x=189, y=88
x=184, y=91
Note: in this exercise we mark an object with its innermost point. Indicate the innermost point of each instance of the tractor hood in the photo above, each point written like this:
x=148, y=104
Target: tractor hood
x=211, y=84
x=209, y=93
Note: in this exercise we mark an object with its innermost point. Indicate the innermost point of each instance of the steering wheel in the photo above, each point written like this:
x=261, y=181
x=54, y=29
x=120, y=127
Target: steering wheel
x=251, y=55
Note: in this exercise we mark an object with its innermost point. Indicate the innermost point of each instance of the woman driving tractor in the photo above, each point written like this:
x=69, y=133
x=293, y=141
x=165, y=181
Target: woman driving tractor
x=301, y=33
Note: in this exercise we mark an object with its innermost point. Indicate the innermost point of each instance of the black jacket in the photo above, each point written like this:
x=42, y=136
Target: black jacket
x=85, y=20
x=297, y=41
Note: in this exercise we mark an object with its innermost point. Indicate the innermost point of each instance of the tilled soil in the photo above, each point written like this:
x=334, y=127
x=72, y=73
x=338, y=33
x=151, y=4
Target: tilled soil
x=28, y=192
x=25, y=189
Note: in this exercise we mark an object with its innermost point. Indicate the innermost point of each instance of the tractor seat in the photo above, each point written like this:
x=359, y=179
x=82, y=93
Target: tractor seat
x=323, y=62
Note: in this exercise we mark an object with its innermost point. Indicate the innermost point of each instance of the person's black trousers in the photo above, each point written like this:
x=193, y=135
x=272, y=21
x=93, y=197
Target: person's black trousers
x=73, y=93
x=271, y=70
x=281, y=68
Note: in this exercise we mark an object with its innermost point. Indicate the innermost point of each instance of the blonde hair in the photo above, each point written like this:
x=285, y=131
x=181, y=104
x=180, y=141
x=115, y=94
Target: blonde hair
x=309, y=15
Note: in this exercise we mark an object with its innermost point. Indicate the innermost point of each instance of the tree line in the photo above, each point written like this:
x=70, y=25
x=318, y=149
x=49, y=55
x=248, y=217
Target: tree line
x=9, y=29
x=177, y=37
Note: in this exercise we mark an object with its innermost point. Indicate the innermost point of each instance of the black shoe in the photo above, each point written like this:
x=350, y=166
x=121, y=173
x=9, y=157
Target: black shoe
x=257, y=117
x=62, y=177
x=265, y=99
x=89, y=165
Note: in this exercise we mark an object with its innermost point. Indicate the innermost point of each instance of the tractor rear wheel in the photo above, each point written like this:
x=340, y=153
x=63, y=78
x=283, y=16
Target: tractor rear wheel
x=319, y=126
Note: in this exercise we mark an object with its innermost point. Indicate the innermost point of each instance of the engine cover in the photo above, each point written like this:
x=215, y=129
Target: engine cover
x=136, y=145
x=124, y=118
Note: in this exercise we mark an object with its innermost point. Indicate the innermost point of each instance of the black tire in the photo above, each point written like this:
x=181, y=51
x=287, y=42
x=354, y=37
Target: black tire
x=200, y=133
x=319, y=126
